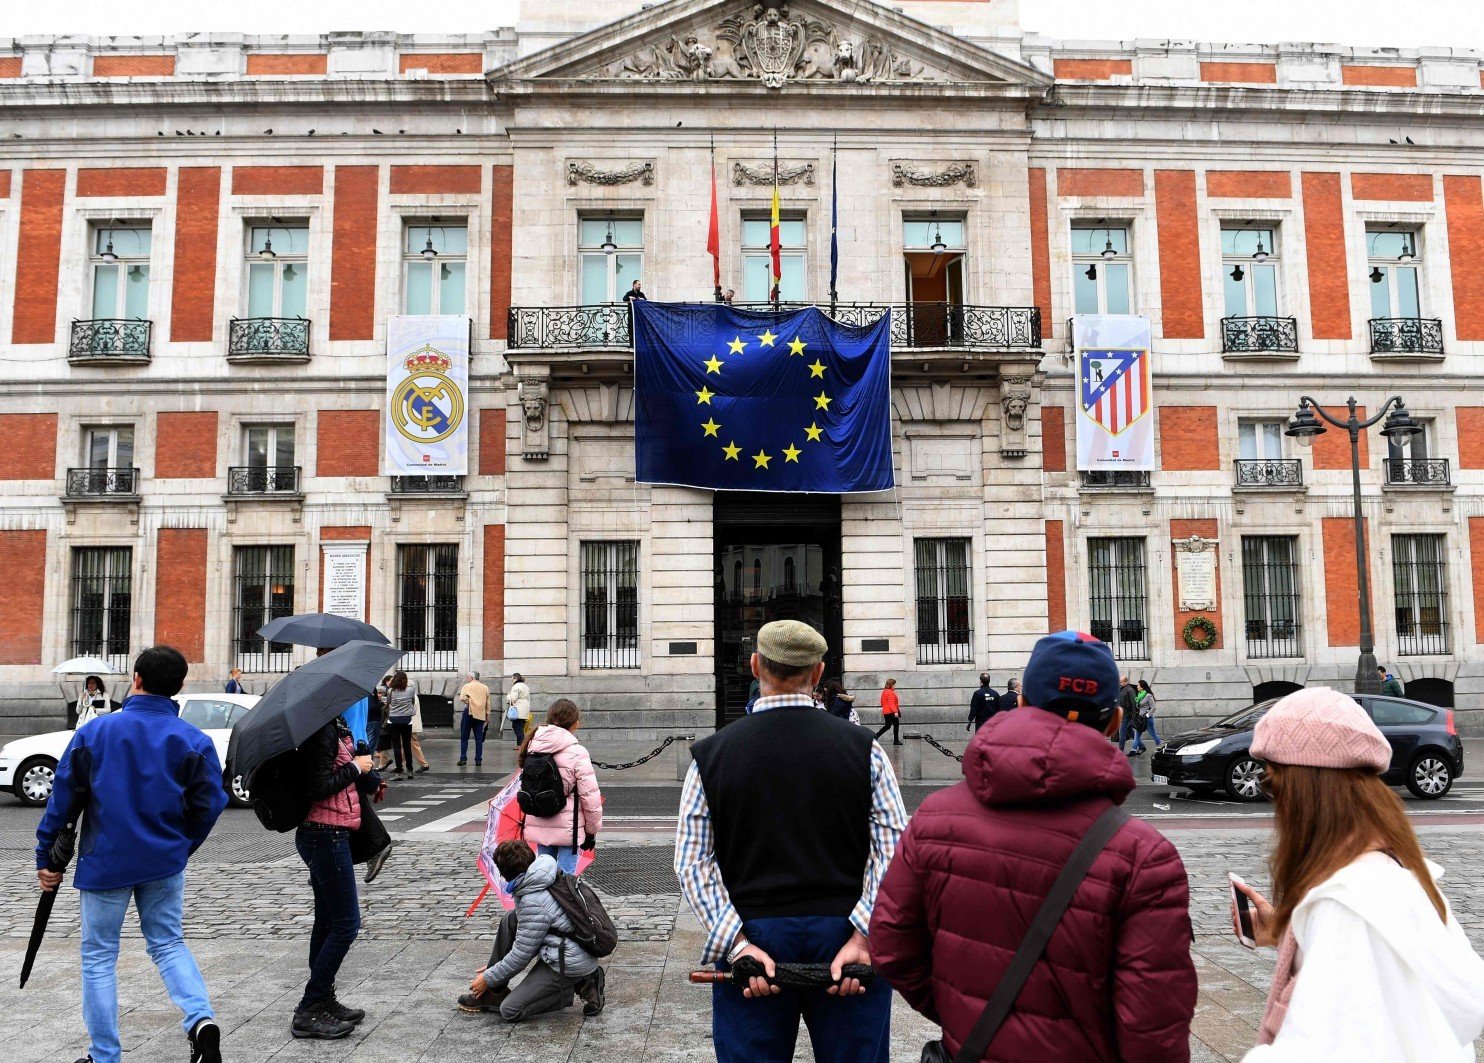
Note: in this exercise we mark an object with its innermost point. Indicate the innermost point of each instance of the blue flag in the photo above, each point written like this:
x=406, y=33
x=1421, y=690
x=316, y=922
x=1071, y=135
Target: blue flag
x=744, y=401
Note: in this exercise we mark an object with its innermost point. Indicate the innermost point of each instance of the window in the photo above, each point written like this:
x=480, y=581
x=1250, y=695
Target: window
x=1394, y=273
x=268, y=458
x=1270, y=595
x=428, y=607
x=433, y=261
x=1119, y=600
x=1101, y=268
x=757, y=260
x=121, y=272
x=1249, y=268
x=210, y=715
x=108, y=447
x=609, y=272
x=920, y=234
x=1388, y=712
x=1418, y=568
x=610, y=604
x=1414, y=446
x=944, y=603
x=101, y=600
x=1410, y=459
x=264, y=592
x=1260, y=440
x=277, y=270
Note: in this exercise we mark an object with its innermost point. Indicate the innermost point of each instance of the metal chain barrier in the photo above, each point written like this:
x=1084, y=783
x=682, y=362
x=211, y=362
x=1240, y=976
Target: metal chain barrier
x=647, y=757
x=941, y=748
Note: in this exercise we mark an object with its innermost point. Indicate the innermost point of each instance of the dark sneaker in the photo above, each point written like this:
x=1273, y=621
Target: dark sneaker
x=479, y=763
x=490, y=1000
x=206, y=1042
x=425, y=767
x=375, y=864
x=461, y=763
x=590, y=991
x=84, y=1059
x=339, y=1011
x=318, y=1024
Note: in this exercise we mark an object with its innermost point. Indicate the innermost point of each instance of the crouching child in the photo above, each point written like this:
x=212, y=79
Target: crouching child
x=539, y=934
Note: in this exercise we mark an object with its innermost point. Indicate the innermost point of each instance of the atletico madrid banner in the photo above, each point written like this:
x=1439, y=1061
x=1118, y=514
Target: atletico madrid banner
x=1115, y=392
x=427, y=381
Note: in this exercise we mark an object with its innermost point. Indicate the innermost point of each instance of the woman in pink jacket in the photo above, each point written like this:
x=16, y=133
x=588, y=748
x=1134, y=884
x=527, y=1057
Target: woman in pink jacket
x=582, y=816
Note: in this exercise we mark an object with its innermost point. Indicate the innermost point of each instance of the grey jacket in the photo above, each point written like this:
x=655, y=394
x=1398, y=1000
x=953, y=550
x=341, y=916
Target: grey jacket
x=538, y=919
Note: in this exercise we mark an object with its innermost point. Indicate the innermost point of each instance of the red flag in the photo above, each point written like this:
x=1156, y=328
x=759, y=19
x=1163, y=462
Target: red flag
x=713, y=233
x=774, y=245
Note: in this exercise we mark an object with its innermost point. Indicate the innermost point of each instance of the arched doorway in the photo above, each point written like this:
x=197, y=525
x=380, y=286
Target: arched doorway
x=1437, y=692
x=1274, y=688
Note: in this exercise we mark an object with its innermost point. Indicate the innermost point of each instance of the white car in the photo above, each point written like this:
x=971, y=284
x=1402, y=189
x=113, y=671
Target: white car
x=28, y=765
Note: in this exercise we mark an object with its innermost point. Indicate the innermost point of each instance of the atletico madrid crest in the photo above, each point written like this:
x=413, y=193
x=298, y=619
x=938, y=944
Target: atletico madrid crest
x=1114, y=386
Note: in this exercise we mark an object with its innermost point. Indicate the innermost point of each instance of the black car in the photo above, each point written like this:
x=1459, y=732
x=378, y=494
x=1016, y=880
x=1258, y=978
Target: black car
x=1426, y=753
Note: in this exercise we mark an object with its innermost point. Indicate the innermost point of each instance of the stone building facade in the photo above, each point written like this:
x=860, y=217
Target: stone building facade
x=190, y=430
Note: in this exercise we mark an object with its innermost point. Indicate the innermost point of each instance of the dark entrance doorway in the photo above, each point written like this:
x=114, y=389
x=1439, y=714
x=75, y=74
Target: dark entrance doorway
x=776, y=557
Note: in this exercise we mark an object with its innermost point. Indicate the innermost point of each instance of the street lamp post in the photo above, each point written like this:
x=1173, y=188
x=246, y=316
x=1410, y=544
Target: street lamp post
x=1399, y=425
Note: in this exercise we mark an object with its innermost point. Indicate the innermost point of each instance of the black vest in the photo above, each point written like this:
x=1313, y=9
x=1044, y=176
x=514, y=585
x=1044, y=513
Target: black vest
x=790, y=796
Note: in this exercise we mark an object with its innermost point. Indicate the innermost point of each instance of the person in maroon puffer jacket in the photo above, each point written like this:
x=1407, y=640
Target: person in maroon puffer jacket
x=1116, y=982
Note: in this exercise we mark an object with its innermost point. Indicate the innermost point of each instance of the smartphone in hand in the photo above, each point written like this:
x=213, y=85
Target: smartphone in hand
x=1243, y=908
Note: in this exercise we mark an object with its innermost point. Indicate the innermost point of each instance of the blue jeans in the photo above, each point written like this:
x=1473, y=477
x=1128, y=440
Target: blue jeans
x=337, y=911
x=1153, y=733
x=469, y=725
x=564, y=855
x=159, y=904
x=842, y=1030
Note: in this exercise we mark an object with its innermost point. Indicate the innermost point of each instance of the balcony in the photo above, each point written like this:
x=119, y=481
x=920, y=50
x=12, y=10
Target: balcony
x=1259, y=336
x=268, y=339
x=1417, y=472
x=427, y=485
x=110, y=341
x=1407, y=338
x=102, y=483
x=1115, y=480
x=1270, y=473
x=263, y=481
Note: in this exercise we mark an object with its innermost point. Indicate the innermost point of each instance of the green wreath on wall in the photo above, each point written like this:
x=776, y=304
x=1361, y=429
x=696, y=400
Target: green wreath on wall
x=1199, y=633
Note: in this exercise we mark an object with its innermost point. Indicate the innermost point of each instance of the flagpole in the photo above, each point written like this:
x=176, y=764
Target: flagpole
x=713, y=230
x=774, y=239
x=834, y=221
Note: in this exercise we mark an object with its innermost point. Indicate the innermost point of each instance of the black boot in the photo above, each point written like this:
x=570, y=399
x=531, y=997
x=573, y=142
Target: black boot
x=206, y=1042
x=339, y=1011
x=590, y=991
x=315, y=1023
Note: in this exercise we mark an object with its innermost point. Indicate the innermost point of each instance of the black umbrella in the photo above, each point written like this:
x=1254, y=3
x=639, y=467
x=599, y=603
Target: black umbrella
x=305, y=700
x=323, y=631
x=59, y=856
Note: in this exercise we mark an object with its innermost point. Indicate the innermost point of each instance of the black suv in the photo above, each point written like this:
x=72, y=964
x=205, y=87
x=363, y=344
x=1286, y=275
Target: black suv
x=1426, y=753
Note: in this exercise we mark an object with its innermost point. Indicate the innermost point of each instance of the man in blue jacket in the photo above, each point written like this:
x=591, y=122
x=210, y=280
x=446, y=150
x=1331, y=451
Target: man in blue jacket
x=154, y=791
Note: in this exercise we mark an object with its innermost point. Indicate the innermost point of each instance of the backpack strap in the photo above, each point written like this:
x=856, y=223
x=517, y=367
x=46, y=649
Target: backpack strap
x=1039, y=934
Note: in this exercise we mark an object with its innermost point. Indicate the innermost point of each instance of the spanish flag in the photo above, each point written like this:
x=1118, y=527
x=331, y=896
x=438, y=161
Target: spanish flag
x=773, y=241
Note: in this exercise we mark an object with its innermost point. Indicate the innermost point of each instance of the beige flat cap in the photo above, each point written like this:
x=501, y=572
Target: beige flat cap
x=792, y=643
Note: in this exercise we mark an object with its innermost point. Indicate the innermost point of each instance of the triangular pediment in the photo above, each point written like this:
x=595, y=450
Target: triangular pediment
x=741, y=42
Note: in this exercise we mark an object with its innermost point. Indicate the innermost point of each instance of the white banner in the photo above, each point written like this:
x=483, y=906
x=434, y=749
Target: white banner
x=427, y=385
x=1115, y=392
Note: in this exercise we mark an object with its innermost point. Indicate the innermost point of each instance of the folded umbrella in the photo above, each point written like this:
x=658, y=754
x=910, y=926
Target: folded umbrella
x=323, y=631
x=59, y=856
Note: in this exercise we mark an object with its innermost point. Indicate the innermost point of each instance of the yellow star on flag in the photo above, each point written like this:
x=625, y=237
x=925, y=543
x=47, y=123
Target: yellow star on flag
x=760, y=460
x=821, y=401
x=704, y=395
x=767, y=338
x=797, y=346
x=731, y=450
x=817, y=369
x=736, y=345
x=710, y=426
x=791, y=453
x=713, y=365
x=814, y=432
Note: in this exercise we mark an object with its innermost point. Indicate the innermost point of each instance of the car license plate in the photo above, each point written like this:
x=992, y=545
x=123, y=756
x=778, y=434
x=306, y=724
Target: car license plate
x=1160, y=780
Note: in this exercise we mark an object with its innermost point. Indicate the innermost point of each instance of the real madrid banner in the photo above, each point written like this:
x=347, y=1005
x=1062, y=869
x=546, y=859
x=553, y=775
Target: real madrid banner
x=1115, y=392
x=427, y=384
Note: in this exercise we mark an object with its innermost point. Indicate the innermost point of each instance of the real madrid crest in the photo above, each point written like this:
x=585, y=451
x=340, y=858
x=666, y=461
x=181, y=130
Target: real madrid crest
x=427, y=406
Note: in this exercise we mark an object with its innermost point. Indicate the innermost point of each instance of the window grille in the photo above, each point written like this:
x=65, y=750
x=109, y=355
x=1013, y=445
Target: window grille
x=610, y=604
x=944, y=603
x=1421, y=576
x=102, y=594
x=264, y=592
x=428, y=607
x=1119, y=598
x=1271, y=596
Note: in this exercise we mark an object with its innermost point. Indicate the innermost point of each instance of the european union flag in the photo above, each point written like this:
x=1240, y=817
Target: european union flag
x=736, y=400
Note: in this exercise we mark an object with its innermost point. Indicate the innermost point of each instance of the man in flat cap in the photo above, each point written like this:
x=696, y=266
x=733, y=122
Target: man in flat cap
x=788, y=821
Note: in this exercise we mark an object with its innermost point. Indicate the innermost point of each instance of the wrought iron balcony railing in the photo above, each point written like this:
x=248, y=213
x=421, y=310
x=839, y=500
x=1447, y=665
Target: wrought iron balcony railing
x=920, y=325
x=1252, y=335
x=1127, y=479
x=268, y=338
x=1420, y=472
x=263, y=480
x=427, y=485
x=1406, y=335
x=108, y=339
x=102, y=483
x=1270, y=472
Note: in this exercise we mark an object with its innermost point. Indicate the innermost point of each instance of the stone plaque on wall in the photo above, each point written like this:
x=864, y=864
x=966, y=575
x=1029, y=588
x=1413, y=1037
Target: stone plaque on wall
x=1195, y=569
x=345, y=579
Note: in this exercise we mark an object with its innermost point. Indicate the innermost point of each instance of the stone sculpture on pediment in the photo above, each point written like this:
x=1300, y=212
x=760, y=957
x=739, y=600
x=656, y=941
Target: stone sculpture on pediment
x=762, y=174
x=577, y=170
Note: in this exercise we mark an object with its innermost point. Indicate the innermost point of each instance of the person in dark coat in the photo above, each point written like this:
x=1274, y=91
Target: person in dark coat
x=1391, y=686
x=1128, y=706
x=1116, y=983
x=984, y=704
x=1010, y=699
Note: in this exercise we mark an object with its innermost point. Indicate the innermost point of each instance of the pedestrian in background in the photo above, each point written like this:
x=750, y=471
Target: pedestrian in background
x=401, y=706
x=417, y=738
x=475, y=697
x=234, y=682
x=891, y=713
x=93, y=701
x=752, y=692
x=839, y=703
x=1371, y=962
x=1128, y=708
x=518, y=704
x=984, y=704
x=151, y=787
x=1144, y=706
x=581, y=816
x=1010, y=699
x=381, y=758
x=1115, y=983
x=1391, y=686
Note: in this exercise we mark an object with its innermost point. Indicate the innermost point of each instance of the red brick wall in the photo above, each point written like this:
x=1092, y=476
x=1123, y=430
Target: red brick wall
x=494, y=592
x=1054, y=439
x=1187, y=440
x=278, y=180
x=10, y=66
x=4, y=184
x=502, y=220
x=1465, y=207
x=1179, y=255
x=1041, y=250
x=38, y=256
x=1332, y=449
x=1240, y=73
x=1341, y=599
x=353, y=255
x=1411, y=187
x=1329, y=273
x=444, y=62
x=349, y=443
x=1470, y=421
x=22, y=596
x=435, y=180
x=133, y=66
x=1476, y=573
x=180, y=591
x=28, y=446
x=1249, y=184
x=1184, y=529
x=1074, y=181
x=1090, y=69
x=265, y=63
x=185, y=446
x=193, y=292
x=1056, y=578
x=122, y=181
x=1391, y=76
x=492, y=442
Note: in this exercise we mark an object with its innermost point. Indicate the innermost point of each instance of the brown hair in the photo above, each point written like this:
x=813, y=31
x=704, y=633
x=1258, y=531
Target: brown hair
x=399, y=681
x=1326, y=818
x=891, y=682
x=513, y=859
x=562, y=713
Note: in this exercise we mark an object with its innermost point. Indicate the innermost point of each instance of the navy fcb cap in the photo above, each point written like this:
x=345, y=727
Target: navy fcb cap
x=1072, y=674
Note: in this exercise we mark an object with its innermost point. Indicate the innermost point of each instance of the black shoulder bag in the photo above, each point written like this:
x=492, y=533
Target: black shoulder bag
x=1034, y=942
